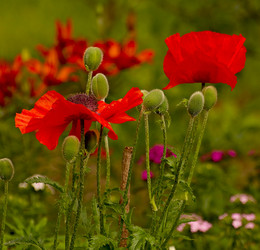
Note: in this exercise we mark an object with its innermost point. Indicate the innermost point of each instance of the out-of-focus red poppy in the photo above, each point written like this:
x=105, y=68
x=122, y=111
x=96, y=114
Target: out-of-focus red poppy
x=50, y=72
x=205, y=57
x=8, y=78
x=52, y=113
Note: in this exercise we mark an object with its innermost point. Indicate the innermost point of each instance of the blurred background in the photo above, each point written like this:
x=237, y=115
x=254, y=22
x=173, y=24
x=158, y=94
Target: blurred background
x=29, y=28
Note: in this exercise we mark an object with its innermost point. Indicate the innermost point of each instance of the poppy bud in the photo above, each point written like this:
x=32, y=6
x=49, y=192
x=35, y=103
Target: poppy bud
x=70, y=148
x=145, y=92
x=91, y=140
x=100, y=86
x=92, y=58
x=153, y=99
x=196, y=103
x=164, y=107
x=6, y=169
x=210, y=96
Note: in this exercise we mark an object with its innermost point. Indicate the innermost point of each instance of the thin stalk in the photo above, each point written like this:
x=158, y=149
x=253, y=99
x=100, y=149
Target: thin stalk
x=147, y=161
x=61, y=206
x=194, y=161
x=4, y=215
x=81, y=184
x=107, y=163
x=178, y=171
x=100, y=206
x=70, y=207
x=89, y=82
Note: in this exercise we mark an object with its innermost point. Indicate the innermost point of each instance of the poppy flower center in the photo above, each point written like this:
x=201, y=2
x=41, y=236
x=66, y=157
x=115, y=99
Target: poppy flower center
x=89, y=101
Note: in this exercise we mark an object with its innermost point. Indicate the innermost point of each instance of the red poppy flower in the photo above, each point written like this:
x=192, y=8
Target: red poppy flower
x=8, y=78
x=52, y=113
x=206, y=57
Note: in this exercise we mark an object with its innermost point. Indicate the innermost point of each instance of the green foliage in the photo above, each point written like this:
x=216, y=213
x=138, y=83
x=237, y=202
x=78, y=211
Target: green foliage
x=99, y=241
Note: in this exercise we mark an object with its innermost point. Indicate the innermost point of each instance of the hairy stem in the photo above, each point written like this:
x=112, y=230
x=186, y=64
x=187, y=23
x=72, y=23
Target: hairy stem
x=107, y=163
x=4, y=215
x=89, y=82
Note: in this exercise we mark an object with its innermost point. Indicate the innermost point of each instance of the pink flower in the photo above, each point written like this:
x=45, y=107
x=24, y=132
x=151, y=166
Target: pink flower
x=243, y=198
x=237, y=223
x=236, y=216
x=250, y=225
x=144, y=175
x=232, y=153
x=217, y=155
x=156, y=153
x=221, y=217
x=249, y=217
x=181, y=227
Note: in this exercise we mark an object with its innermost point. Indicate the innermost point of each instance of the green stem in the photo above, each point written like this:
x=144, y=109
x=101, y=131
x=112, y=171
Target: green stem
x=178, y=171
x=107, y=163
x=81, y=184
x=100, y=206
x=147, y=161
x=4, y=215
x=70, y=207
x=195, y=157
x=61, y=206
x=194, y=161
x=89, y=82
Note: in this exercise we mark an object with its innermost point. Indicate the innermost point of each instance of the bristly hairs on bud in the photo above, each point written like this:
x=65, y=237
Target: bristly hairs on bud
x=196, y=103
x=210, y=95
x=153, y=100
x=100, y=86
x=6, y=169
x=70, y=148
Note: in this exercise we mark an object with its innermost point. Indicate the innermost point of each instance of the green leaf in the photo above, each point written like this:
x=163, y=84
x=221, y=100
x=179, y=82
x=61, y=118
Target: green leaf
x=45, y=180
x=183, y=103
x=99, y=241
x=184, y=191
x=25, y=241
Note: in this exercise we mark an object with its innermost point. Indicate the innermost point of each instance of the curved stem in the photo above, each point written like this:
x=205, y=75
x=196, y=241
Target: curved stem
x=4, y=215
x=89, y=82
x=107, y=163
x=100, y=206
x=81, y=184
x=147, y=161
x=178, y=171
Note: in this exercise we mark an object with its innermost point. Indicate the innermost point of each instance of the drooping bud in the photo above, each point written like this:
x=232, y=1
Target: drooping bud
x=70, y=148
x=92, y=58
x=210, y=96
x=6, y=169
x=91, y=140
x=196, y=103
x=164, y=107
x=153, y=99
x=99, y=86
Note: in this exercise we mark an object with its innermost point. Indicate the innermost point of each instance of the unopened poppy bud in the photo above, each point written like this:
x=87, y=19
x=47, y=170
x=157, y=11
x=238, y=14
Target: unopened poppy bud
x=99, y=86
x=164, y=107
x=6, y=169
x=145, y=92
x=70, y=148
x=196, y=103
x=91, y=140
x=210, y=96
x=92, y=58
x=153, y=99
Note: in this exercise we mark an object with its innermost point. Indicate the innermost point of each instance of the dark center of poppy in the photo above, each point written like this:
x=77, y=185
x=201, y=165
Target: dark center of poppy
x=89, y=101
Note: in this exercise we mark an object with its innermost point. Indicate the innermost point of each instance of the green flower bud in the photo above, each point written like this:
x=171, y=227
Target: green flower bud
x=92, y=58
x=210, y=95
x=6, y=169
x=145, y=92
x=99, y=86
x=153, y=99
x=91, y=140
x=164, y=107
x=70, y=148
x=196, y=103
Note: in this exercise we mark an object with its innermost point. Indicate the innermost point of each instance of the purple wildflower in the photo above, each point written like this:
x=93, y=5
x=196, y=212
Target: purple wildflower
x=144, y=175
x=156, y=153
x=232, y=153
x=217, y=155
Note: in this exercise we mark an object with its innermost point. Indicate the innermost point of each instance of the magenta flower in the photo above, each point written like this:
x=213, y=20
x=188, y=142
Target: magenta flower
x=232, y=153
x=144, y=175
x=217, y=155
x=156, y=153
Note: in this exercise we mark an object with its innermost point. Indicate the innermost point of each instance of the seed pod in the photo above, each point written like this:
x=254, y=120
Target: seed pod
x=70, y=148
x=6, y=169
x=196, y=103
x=210, y=95
x=99, y=86
x=153, y=99
x=92, y=58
